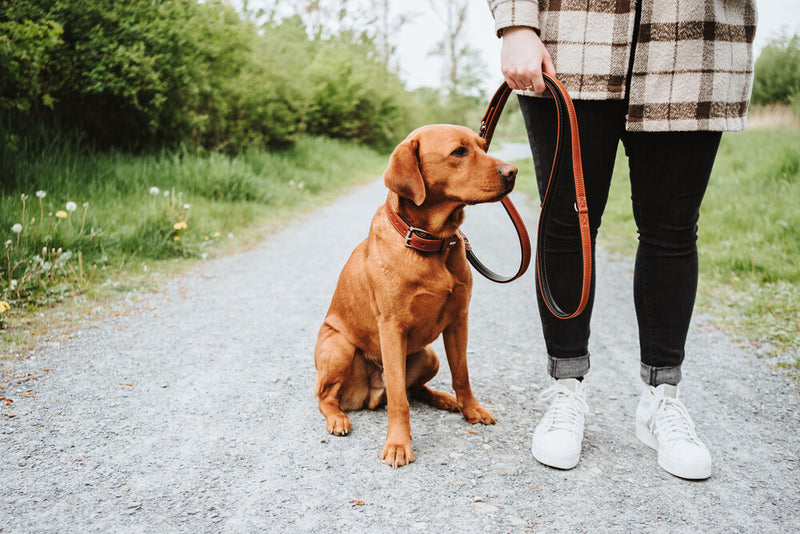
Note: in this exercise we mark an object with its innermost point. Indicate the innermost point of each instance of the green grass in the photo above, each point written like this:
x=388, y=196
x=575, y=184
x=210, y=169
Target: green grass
x=122, y=236
x=749, y=235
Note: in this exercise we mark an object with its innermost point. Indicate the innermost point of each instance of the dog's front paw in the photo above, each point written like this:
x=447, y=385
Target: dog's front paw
x=396, y=454
x=338, y=424
x=475, y=413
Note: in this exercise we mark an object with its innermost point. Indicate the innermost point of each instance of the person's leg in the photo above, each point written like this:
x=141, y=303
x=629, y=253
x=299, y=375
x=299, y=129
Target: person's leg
x=600, y=124
x=669, y=175
x=559, y=434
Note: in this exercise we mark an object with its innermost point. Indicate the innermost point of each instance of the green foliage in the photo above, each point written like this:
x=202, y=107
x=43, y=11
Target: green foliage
x=777, y=73
x=141, y=74
x=120, y=219
x=25, y=51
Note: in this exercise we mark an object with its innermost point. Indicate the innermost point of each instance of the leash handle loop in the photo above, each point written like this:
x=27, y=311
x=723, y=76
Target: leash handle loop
x=567, y=132
x=488, y=124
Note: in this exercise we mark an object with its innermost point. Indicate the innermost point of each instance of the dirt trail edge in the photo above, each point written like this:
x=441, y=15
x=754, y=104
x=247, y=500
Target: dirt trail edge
x=196, y=414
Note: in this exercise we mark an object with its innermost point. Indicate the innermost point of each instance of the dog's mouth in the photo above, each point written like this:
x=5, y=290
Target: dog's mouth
x=495, y=198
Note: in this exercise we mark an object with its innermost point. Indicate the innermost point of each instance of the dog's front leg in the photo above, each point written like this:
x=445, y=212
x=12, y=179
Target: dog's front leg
x=455, y=345
x=397, y=449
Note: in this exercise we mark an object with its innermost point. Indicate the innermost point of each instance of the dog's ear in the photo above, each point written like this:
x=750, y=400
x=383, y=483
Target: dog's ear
x=403, y=175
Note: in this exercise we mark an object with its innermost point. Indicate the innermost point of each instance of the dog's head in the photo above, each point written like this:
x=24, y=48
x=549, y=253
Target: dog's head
x=447, y=163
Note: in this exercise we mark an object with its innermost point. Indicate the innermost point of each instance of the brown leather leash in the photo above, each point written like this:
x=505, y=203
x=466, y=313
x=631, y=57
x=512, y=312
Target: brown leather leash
x=567, y=133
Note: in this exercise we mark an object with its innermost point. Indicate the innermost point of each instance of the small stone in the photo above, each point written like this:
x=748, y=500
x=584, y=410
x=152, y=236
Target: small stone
x=485, y=507
x=515, y=520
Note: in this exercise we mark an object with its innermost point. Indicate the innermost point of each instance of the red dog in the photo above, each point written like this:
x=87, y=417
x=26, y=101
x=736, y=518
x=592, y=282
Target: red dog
x=406, y=284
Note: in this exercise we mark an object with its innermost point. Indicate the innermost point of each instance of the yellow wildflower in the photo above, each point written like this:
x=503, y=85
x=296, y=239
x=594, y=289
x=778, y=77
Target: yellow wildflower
x=176, y=238
x=61, y=214
x=4, y=306
x=206, y=238
x=180, y=225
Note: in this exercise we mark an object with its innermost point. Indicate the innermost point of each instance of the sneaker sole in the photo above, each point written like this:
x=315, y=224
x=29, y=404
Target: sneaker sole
x=559, y=462
x=689, y=472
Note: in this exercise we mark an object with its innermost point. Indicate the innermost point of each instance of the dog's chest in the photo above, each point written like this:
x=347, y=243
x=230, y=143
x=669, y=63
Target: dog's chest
x=434, y=307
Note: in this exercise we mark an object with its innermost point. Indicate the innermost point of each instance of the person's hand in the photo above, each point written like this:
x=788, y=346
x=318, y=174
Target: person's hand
x=523, y=58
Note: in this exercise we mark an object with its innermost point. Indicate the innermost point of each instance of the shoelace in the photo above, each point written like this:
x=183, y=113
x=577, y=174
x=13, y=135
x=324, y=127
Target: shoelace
x=672, y=422
x=565, y=408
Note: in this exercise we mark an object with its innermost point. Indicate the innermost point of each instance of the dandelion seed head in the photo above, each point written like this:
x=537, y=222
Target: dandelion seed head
x=8, y=243
x=187, y=206
x=17, y=228
x=154, y=191
x=41, y=194
x=71, y=206
x=12, y=285
x=166, y=193
x=85, y=204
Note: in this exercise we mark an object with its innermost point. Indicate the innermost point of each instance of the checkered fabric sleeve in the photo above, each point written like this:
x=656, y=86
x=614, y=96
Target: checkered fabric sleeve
x=509, y=13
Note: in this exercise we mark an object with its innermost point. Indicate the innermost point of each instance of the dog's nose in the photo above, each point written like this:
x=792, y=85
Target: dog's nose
x=508, y=172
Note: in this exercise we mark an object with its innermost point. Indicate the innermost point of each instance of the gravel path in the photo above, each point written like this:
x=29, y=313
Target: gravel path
x=196, y=413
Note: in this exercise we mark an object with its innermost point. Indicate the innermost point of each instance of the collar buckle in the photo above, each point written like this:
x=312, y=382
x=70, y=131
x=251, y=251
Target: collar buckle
x=410, y=235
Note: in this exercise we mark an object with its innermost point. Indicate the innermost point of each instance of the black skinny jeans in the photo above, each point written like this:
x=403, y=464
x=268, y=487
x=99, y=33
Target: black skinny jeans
x=669, y=173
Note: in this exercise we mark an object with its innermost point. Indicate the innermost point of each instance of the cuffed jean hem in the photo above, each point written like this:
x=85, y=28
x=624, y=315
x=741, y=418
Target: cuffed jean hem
x=568, y=367
x=655, y=376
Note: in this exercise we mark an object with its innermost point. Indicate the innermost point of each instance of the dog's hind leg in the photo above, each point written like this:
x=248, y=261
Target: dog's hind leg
x=334, y=357
x=421, y=367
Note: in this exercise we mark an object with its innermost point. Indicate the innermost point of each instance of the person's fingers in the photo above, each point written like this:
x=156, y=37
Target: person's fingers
x=547, y=63
x=523, y=57
x=537, y=82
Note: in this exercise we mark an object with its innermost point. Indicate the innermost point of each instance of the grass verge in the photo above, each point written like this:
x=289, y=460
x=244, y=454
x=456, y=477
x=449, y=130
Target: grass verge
x=83, y=228
x=749, y=237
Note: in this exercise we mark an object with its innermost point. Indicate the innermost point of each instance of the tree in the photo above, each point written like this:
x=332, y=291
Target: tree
x=387, y=25
x=777, y=72
x=464, y=68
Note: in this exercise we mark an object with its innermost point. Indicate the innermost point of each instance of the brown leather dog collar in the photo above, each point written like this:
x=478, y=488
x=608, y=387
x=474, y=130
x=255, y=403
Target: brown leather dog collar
x=419, y=239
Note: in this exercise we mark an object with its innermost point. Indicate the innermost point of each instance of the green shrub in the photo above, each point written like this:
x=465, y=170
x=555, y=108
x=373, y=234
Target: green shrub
x=141, y=75
x=777, y=73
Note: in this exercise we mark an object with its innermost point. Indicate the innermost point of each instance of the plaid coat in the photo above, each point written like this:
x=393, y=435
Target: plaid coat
x=693, y=59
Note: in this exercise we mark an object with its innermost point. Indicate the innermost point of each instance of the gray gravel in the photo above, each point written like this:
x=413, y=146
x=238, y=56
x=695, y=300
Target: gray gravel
x=218, y=430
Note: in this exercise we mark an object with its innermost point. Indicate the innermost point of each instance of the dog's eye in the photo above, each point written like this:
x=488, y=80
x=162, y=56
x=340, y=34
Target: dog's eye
x=460, y=152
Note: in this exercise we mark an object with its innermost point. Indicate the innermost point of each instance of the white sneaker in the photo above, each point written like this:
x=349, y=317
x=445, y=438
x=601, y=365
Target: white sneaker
x=558, y=436
x=663, y=423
